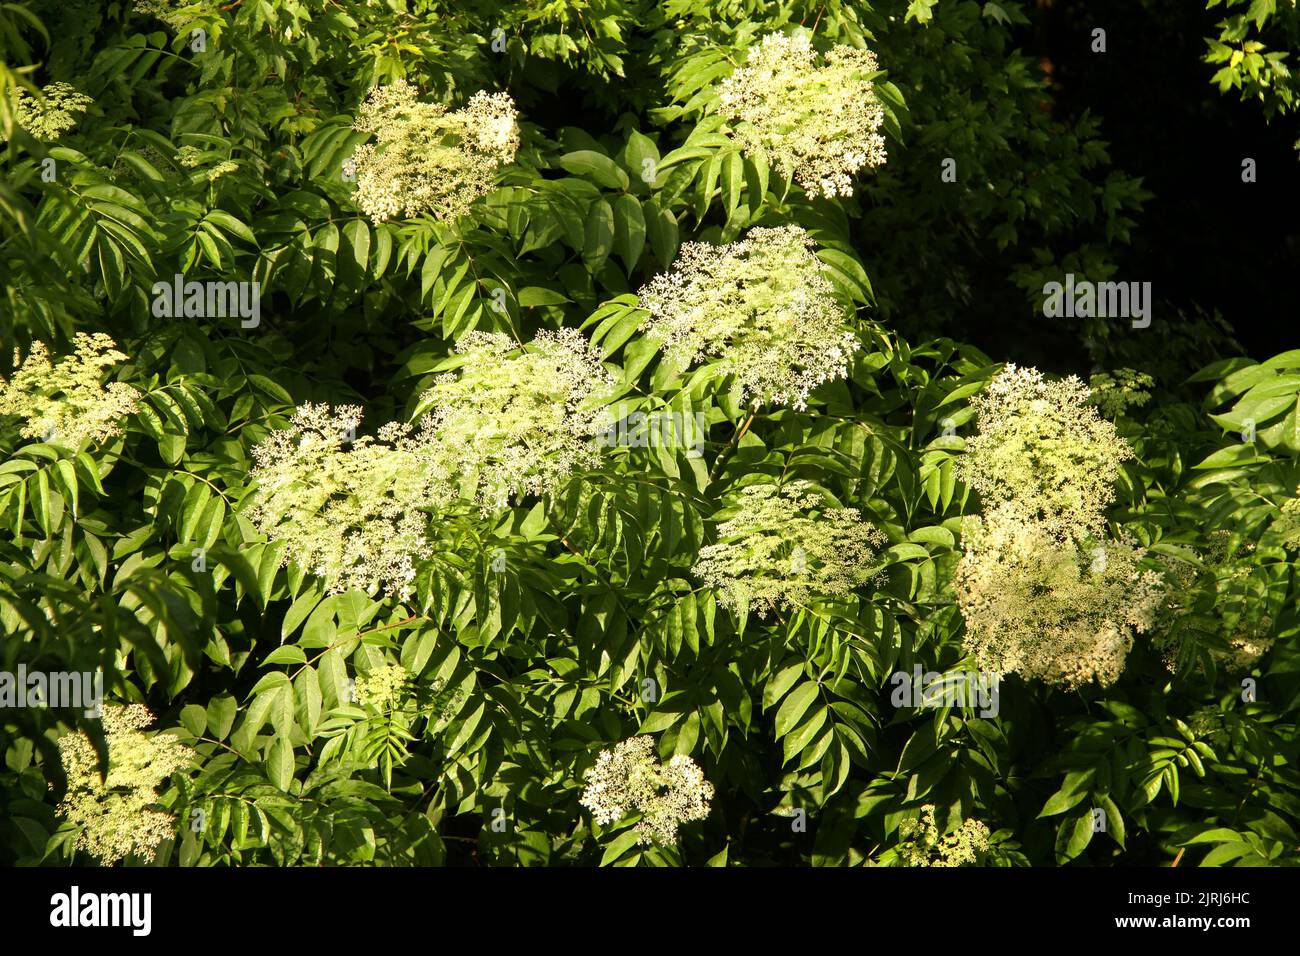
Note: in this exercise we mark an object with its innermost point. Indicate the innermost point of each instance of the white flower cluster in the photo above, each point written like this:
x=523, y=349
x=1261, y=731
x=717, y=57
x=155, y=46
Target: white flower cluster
x=921, y=843
x=762, y=309
x=783, y=545
x=427, y=160
x=630, y=779
x=65, y=401
x=53, y=113
x=1044, y=452
x=384, y=687
x=115, y=814
x=1043, y=593
x=191, y=157
x=356, y=510
x=818, y=121
x=1051, y=609
x=1247, y=649
x=351, y=510
x=514, y=421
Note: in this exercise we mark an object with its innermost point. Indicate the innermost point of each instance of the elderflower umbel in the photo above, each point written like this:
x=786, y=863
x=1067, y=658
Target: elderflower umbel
x=348, y=510
x=1045, y=607
x=382, y=687
x=514, y=421
x=1247, y=649
x=427, y=160
x=921, y=844
x=115, y=814
x=629, y=779
x=52, y=114
x=782, y=546
x=65, y=401
x=1043, y=452
x=222, y=169
x=818, y=121
x=761, y=309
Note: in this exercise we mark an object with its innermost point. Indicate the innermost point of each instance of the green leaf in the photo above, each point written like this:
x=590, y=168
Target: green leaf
x=221, y=715
x=287, y=654
x=279, y=763
x=1061, y=801
x=629, y=230
x=781, y=682
x=920, y=11
x=194, y=719
x=596, y=167
x=618, y=846
x=661, y=229
x=802, y=735
x=1074, y=836
x=1114, y=819
x=230, y=224
x=794, y=706
x=533, y=295
x=298, y=612
x=599, y=236
x=639, y=150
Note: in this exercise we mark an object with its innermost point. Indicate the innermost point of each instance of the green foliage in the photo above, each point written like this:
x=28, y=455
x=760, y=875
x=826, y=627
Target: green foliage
x=1245, y=51
x=541, y=633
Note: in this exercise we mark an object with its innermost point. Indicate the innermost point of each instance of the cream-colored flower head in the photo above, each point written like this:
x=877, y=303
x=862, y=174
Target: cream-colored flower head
x=817, y=118
x=116, y=815
x=630, y=779
x=1247, y=650
x=1047, y=608
x=350, y=511
x=512, y=422
x=761, y=309
x=53, y=113
x=921, y=843
x=383, y=687
x=65, y=401
x=221, y=169
x=783, y=545
x=1042, y=451
x=427, y=160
